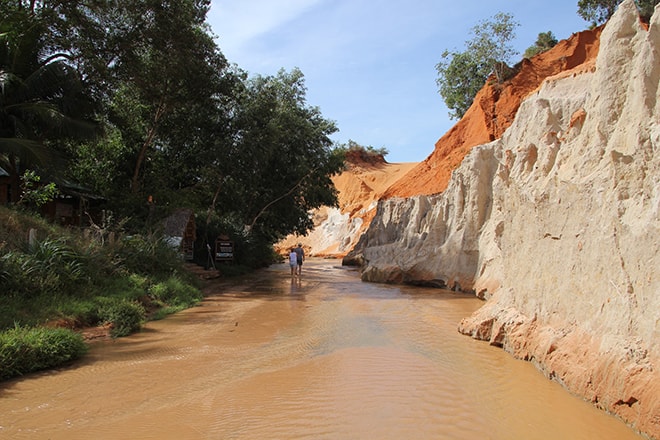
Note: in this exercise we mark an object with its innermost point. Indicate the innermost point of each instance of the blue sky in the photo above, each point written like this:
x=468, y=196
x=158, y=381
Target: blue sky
x=370, y=65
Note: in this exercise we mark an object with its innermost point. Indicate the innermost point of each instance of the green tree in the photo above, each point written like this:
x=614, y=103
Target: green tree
x=170, y=66
x=462, y=74
x=180, y=124
x=544, y=41
x=161, y=79
x=460, y=79
x=43, y=101
x=646, y=8
x=282, y=160
x=599, y=11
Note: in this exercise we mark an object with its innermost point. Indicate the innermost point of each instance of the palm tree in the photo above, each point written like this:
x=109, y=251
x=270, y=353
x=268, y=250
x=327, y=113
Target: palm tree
x=42, y=100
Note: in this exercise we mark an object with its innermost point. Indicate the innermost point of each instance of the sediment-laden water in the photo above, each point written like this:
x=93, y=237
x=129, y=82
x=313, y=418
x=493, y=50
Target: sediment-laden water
x=323, y=357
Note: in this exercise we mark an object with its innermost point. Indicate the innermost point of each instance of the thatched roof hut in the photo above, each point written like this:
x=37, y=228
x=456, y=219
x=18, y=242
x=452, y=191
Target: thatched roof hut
x=181, y=232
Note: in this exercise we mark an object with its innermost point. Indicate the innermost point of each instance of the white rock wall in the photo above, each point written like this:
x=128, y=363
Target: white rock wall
x=557, y=223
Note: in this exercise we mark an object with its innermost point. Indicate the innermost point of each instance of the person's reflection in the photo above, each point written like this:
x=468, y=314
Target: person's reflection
x=296, y=283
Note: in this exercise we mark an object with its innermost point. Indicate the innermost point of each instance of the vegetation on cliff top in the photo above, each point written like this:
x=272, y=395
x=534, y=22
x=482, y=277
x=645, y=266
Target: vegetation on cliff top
x=356, y=154
x=462, y=74
x=489, y=52
x=599, y=11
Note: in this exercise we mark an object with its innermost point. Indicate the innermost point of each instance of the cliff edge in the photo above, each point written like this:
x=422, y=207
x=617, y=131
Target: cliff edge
x=556, y=224
x=493, y=111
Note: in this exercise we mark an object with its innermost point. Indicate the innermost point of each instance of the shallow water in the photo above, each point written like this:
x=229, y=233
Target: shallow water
x=324, y=357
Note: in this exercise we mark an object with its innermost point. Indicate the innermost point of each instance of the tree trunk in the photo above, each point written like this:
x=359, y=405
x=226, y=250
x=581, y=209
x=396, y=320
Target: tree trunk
x=135, y=182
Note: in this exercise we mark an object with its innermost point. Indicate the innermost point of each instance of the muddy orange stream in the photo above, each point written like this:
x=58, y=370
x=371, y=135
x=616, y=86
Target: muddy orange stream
x=323, y=357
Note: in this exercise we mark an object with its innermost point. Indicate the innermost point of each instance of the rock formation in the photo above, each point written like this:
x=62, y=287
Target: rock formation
x=492, y=112
x=556, y=224
x=360, y=186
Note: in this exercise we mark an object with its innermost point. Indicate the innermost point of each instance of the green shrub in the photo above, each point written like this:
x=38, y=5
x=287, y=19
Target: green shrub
x=146, y=255
x=24, y=350
x=47, y=266
x=81, y=312
x=163, y=312
x=125, y=316
x=15, y=226
x=175, y=292
x=18, y=274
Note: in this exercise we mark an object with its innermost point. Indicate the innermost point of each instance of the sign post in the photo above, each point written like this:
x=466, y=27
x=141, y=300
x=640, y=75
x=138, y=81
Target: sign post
x=224, y=250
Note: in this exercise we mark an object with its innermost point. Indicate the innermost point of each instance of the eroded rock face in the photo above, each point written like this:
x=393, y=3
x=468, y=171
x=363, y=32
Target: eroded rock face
x=493, y=111
x=556, y=224
x=337, y=230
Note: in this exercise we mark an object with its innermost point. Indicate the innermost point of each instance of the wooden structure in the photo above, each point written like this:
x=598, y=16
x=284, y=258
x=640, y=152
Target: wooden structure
x=181, y=231
x=75, y=205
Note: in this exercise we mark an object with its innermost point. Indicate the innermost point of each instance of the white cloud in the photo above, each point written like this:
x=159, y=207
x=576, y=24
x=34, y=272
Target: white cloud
x=370, y=66
x=237, y=22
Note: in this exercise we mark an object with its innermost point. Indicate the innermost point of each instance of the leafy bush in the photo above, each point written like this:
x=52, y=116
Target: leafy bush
x=47, y=266
x=355, y=153
x=23, y=350
x=125, y=316
x=34, y=192
x=146, y=255
x=175, y=292
x=58, y=261
x=76, y=281
x=545, y=41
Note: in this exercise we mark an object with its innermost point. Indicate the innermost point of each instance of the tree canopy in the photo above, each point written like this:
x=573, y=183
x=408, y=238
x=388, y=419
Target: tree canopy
x=545, y=41
x=43, y=103
x=462, y=74
x=180, y=125
x=599, y=11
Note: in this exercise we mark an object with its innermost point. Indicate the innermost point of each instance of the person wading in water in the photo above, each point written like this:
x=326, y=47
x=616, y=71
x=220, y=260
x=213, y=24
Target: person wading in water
x=300, y=253
x=293, y=261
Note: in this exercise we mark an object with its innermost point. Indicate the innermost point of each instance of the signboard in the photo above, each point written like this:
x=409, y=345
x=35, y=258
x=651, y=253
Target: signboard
x=224, y=250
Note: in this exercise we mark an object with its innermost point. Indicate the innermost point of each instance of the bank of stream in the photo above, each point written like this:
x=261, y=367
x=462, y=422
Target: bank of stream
x=325, y=356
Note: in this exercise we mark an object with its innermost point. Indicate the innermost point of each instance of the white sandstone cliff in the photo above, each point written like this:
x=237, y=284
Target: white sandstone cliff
x=337, y=230
x=557, y=225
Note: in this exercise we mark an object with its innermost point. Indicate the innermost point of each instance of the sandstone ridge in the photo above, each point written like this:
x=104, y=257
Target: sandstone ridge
x=359, y=187
x=556, y=224
x=493, y=111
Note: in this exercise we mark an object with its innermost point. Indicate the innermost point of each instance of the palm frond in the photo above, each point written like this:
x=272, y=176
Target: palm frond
x=29, y=151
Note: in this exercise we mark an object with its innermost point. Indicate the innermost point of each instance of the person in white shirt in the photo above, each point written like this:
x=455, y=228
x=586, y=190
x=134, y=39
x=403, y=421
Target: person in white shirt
x=293, y=261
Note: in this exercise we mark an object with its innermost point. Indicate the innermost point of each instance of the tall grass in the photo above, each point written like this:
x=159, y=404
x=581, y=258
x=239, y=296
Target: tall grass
x=67, y=279
x=51, y=265
x=24, y=350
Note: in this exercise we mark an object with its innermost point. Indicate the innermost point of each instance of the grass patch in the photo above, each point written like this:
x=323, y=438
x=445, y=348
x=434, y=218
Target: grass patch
x=64, y=279
x=24, y=350
x=125, y=317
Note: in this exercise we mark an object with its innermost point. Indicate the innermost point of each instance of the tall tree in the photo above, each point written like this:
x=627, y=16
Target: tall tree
x=160, y=76
x=462, y=74
x=171, y=65
x=597, y=11
x=282, y=159
x=43, y=102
